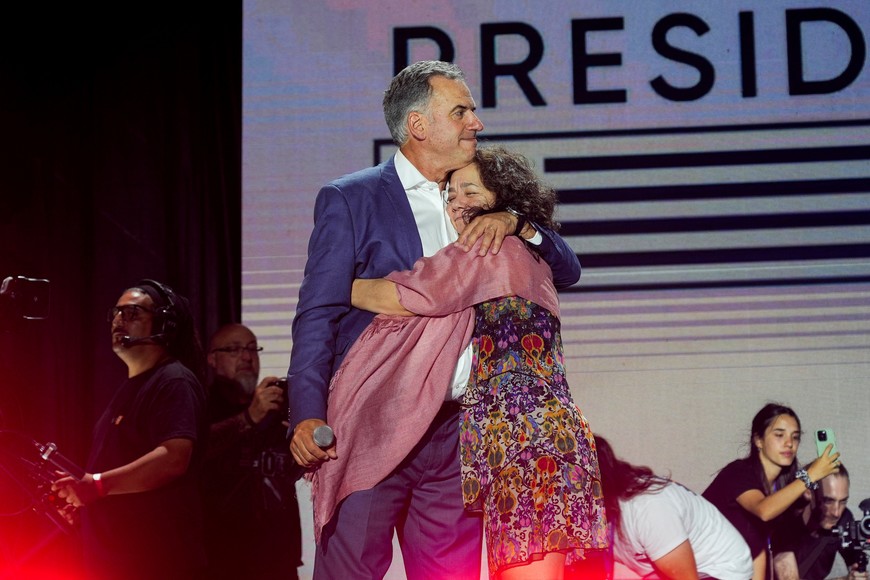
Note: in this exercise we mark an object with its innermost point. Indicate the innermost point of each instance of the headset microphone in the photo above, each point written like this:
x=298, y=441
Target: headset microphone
x=128, y=341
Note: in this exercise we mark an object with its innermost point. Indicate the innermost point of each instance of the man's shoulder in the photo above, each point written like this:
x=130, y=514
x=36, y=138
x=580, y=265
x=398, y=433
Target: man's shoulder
x=175, y=368
x=733, y=479
x=367, y=177
x=174, y=373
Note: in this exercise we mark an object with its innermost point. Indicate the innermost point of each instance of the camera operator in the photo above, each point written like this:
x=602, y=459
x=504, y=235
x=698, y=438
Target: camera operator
x=140, y=518
x=252, y=516
x=806, y=543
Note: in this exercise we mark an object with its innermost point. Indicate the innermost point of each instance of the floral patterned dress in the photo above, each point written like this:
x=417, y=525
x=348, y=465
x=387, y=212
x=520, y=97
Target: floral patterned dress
x=528, y=454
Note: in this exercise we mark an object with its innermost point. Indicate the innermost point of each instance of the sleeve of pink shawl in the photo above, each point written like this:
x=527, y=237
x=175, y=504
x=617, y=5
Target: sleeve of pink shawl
x=453, y=280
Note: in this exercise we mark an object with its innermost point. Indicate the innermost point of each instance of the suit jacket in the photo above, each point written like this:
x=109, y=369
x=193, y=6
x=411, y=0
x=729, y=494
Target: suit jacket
x=363, y=228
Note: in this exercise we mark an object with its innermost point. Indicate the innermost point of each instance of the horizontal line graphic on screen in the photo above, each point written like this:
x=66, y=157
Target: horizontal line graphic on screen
x=756, y=282
x=710, y=159
x=714, y=191
x=707, y=207
x=383, y=148
x=716, y=223
x=726, y=256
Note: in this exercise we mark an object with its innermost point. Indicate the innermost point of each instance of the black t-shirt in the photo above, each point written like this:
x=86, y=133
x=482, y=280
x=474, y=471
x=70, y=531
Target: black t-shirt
x=814, y=550
x=732, y=481
x=158, y=533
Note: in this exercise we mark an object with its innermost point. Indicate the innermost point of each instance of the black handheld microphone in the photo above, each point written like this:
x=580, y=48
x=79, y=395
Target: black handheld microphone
x=128, y=341
x=324, y=436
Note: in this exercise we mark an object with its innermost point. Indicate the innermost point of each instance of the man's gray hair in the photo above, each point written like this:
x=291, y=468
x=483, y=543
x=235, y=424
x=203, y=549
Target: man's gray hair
x=410, y=91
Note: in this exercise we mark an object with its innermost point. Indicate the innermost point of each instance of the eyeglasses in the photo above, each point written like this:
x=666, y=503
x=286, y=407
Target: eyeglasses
x=128, y=312
x=237, y=350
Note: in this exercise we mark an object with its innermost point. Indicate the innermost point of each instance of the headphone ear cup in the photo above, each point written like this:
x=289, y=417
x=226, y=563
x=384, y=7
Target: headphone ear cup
x=169, y=322
x=166, y=316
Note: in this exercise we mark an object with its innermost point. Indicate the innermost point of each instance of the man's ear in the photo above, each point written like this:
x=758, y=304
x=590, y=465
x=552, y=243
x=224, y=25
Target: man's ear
x=808, y=495
x=417, y=125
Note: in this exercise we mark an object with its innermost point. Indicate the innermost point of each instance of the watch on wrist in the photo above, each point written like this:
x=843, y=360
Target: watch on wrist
x=804, y=476
x=521, y=220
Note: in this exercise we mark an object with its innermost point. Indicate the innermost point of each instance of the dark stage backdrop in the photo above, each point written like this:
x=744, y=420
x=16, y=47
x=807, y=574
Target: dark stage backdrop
x=120, y=160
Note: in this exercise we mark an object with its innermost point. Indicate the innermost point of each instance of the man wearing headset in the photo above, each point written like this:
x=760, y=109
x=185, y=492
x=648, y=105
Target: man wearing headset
x=138, y=501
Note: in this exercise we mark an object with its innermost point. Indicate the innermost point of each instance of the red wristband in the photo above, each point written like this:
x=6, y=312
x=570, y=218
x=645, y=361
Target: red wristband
x=98, y=483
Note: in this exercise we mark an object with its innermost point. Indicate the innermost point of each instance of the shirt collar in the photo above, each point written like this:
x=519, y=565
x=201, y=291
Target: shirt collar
x=410, y=176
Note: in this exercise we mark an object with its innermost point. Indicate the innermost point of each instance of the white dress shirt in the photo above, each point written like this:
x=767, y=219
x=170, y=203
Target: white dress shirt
x=436, y=232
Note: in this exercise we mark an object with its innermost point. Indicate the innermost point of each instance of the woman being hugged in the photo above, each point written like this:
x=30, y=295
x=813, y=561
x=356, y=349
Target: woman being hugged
x=528, y=459
x=752, y=491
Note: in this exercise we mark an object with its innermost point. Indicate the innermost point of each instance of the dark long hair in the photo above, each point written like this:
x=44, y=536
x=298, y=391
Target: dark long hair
x=760, y=423
x=621, y=480
x=512, y=179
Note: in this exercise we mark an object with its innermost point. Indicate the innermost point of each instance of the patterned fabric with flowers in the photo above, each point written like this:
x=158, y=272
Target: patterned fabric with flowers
x=528, y=454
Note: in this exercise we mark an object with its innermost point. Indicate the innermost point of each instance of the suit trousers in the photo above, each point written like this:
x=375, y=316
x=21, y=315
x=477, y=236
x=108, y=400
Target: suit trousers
x=422, y=501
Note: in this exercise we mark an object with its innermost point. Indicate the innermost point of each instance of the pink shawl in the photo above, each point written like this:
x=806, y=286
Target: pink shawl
x=395, y=377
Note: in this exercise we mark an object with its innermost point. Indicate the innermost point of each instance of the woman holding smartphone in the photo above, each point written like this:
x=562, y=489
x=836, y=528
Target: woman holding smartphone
x=752, y=491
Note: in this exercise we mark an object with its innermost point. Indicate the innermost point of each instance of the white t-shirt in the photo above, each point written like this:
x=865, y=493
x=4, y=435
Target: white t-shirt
x=654, y=523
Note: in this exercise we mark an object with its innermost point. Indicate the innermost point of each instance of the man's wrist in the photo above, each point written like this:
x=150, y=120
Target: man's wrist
x=99, y=484
x=522, y=221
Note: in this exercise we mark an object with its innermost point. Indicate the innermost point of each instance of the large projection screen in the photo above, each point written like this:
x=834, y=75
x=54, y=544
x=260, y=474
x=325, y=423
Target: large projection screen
x=713, y=164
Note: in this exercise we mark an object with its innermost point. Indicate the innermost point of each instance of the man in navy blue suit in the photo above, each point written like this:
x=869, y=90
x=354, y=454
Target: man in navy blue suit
x=368, y=224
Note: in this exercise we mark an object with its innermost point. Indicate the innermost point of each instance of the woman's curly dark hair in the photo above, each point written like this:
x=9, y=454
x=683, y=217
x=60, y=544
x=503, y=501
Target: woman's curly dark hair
x=512, y=179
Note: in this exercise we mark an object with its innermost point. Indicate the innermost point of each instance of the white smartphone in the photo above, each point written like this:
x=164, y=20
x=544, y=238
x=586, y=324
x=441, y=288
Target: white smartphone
x=825, y=437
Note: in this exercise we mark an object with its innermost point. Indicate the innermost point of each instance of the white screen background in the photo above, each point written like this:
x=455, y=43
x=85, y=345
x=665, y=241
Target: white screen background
x=724, y=240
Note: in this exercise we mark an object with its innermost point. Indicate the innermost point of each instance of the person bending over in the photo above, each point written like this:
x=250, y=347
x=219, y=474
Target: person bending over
x=661, y=527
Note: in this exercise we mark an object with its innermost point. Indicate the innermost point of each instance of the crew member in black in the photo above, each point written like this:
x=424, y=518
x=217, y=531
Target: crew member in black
x=138, y=502
x=252, y=515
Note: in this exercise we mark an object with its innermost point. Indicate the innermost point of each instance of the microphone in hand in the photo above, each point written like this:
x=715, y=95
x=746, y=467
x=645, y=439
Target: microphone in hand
x=324, y=436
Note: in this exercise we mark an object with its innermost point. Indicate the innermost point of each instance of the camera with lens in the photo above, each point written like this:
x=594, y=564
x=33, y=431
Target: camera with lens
x=282, y=382
x=32, y=468
x=23, y=298
x=855, y=535
x=274, y=463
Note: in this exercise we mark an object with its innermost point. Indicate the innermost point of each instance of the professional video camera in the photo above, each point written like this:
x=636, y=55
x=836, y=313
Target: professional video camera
x=23, y=298
x=33, y=467
x=855, y=536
